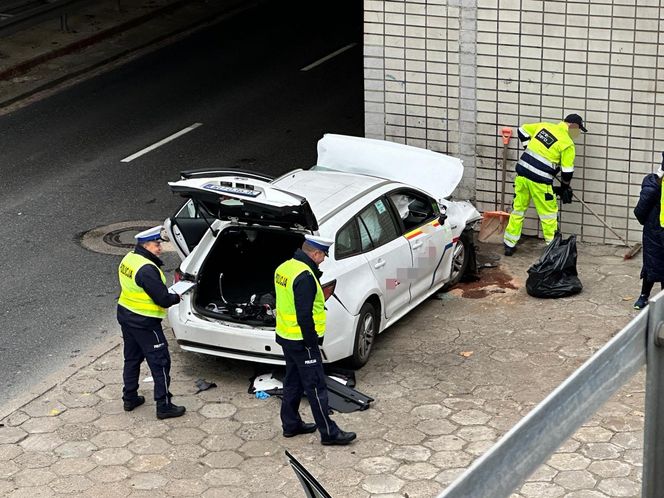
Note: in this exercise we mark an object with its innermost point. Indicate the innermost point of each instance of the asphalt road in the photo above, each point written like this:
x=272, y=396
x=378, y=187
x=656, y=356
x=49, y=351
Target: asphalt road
x=62, y=170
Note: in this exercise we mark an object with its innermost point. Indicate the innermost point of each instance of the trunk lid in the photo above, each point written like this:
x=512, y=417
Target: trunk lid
x=247, y=199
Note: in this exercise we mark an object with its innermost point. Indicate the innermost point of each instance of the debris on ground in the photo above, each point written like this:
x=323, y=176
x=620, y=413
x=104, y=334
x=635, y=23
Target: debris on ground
x=204, y=385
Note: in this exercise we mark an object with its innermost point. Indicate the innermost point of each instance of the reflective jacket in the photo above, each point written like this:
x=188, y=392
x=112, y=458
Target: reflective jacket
x=661, y=209
x=298, y=308
x=150, y=280
x=549, y=149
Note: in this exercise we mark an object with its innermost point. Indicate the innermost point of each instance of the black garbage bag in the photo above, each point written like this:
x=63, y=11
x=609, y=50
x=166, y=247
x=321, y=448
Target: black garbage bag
x=554, y=274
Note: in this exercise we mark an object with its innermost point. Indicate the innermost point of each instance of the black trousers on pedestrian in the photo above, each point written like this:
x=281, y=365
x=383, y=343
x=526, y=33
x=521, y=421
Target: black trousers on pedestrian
x=146, y=344
x=305, y=375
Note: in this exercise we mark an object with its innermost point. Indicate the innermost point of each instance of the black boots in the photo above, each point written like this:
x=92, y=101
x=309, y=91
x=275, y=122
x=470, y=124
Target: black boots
x=169, y=410
x=343, y=438
x=130, y=404
x=305, y=428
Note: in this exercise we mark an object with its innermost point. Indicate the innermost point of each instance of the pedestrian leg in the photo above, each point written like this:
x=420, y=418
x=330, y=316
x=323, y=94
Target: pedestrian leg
x=547, y=209
x=518, y=214
x=313, y=380
x=133, y=357
x=293, y=391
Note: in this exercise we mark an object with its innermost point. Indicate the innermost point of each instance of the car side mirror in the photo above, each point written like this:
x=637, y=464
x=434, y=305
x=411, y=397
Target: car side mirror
x=443, y=216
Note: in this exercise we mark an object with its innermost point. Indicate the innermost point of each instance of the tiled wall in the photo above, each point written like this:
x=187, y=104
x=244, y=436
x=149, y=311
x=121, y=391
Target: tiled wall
x=448, y=75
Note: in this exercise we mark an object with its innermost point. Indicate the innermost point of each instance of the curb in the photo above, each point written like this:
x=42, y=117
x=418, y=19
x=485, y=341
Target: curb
x=61, y=376
x=172, y=36
x=24, y=66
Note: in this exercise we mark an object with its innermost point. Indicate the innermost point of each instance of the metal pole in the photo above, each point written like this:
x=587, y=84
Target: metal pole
x=653, y=435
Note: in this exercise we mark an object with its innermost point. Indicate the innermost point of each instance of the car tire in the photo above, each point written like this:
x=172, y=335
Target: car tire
x=460, y=259
x=365, y=335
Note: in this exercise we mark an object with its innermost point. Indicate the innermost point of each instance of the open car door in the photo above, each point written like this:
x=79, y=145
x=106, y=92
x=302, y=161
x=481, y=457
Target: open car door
x=186, y=228
x=236, y=197
x=312, y=488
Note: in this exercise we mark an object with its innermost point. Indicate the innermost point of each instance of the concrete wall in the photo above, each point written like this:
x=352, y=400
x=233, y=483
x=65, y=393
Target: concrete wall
x=449, y=74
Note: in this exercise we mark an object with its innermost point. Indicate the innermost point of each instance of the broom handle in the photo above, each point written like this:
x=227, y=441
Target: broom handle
x=502, y=193
x=599, y=218
x=507, y=134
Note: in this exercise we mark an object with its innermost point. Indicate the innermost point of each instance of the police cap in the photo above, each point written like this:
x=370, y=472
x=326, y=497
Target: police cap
x=148, y=235
x=320, y=243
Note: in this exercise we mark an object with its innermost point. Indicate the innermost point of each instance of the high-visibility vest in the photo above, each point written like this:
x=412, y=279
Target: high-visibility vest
x=661, y=206
x=133, y=296
x=548, y=149
x=287, y=326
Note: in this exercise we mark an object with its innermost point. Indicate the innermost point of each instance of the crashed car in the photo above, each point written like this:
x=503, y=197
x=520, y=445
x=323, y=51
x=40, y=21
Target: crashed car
x=397, y=240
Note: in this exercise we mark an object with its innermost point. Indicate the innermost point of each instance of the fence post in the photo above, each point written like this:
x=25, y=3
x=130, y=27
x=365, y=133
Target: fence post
x=653, y=434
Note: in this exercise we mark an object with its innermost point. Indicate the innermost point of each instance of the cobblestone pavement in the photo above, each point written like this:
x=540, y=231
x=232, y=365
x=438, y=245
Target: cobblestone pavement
x=448, y=380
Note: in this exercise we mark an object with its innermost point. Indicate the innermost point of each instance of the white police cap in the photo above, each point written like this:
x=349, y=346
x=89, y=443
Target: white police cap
x=153, y=233
x=320, y=243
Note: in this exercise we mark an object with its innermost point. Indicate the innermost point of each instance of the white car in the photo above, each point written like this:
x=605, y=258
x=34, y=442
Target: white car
x=397, y=240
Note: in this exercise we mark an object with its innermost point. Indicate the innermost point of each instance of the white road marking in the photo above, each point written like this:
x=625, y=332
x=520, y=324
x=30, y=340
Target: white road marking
x=328, y=57
x=161, y=142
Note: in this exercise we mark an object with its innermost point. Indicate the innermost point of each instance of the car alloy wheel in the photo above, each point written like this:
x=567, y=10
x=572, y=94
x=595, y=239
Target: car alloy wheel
x=365, y=335
x=458, y=262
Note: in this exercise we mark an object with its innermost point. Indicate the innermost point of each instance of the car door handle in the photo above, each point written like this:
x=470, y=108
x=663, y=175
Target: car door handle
x=417, y=245
x=380, y=264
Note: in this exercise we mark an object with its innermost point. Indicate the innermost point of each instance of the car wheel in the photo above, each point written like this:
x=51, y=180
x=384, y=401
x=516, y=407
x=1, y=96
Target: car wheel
x=365, y=335
x=459, y=261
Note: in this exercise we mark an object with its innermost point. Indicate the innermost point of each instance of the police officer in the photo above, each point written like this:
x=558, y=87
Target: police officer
x=300, y=328
x=141, y=307
x=549, y=149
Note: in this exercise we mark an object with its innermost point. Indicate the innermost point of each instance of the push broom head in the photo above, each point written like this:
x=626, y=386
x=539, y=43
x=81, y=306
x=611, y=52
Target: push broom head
x=493, y=226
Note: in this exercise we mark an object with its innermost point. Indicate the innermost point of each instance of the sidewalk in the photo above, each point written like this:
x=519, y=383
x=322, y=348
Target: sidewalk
x=435, y=409
x=43, y=59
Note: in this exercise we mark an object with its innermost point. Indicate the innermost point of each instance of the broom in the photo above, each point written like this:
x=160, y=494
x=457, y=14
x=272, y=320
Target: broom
x=493, y=223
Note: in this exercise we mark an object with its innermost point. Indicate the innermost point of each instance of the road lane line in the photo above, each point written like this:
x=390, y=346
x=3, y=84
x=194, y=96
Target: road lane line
x=161, y=142
x=328, y=57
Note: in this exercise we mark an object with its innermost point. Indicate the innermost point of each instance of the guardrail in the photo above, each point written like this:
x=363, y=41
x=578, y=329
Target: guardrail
x=16, y=15
x=498, y=472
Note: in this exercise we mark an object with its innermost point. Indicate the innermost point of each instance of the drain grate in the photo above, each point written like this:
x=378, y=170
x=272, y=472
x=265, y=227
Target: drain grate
x=117, y=238
x=123, y=237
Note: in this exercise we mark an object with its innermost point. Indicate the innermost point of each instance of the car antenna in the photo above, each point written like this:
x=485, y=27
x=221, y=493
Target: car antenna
x=200, y=211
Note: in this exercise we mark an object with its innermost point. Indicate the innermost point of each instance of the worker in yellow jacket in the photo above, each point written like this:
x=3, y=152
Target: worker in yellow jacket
x=549, y=150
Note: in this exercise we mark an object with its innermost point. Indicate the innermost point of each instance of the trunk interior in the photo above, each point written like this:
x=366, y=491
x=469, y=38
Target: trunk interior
x=236, y=281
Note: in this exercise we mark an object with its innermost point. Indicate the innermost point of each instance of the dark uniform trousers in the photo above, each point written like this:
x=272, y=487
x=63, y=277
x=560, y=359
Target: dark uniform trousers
x=305, y=375
x=146, y=344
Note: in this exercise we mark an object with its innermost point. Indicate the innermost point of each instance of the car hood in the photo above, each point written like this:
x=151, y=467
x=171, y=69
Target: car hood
x=248, y=200
x=434, y=173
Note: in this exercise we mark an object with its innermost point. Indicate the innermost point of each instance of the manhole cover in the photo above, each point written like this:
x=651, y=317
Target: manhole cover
x=118, y=238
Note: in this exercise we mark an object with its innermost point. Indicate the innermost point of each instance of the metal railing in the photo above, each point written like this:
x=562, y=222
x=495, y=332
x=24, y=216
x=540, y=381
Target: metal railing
x=16, y=15
x=534, y=438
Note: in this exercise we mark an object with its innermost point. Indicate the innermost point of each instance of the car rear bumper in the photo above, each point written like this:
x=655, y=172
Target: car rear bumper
x=243, y=342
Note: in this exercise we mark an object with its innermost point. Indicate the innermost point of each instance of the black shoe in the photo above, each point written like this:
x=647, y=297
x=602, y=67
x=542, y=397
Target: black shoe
x=641, y=302
x=341, y=439
x=509, y=250
x=130, y=404
x=170, y=411
x=304, y=429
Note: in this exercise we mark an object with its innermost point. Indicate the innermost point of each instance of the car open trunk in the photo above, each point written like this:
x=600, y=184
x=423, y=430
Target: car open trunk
x=236, y=281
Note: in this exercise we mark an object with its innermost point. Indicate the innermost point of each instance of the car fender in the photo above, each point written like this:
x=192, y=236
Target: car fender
x=460, y=214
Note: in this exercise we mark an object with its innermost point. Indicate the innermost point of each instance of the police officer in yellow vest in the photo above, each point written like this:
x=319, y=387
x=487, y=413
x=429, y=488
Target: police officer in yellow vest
x=142, y=305
x=549, y=149
x=300, y=329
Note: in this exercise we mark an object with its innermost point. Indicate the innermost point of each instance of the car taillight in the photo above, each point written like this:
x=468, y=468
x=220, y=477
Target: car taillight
x=328, y=289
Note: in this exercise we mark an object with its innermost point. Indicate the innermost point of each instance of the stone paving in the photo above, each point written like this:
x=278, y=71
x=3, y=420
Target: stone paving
x=448, y=380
